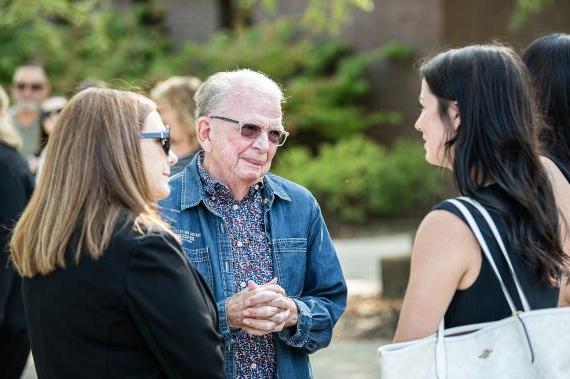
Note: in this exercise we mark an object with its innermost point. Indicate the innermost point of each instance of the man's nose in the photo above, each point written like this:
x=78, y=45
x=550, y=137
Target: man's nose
x=262, y=141
x=27, y=91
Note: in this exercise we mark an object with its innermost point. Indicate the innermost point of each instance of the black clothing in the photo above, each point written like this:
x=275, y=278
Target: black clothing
x=14, y=352
x=484, y=300
x=16, y=186
x=139, y=311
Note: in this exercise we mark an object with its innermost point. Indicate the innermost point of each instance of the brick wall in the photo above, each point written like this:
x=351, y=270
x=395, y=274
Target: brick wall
x=193, y=20
x=395, y=85
x=472, y=21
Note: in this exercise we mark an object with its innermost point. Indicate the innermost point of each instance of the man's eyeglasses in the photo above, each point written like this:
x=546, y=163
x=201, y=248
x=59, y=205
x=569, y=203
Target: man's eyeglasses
x=162, y=137
x=21, y=86
x=251, y=131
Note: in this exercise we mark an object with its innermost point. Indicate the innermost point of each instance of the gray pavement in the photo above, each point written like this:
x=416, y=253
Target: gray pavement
x=359, y=259
x=348, y=359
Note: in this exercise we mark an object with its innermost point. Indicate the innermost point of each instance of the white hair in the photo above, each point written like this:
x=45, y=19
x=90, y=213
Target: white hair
x=225, y=84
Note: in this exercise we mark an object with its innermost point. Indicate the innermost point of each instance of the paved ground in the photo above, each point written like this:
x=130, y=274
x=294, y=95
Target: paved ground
x=348, y=360
x=360, y=259
x=30, y=372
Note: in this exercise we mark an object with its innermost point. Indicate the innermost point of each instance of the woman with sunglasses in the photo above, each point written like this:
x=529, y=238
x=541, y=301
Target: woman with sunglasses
x=107, y=291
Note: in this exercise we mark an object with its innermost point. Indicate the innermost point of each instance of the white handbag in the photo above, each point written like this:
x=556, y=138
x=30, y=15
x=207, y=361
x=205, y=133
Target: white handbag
x=528, y=344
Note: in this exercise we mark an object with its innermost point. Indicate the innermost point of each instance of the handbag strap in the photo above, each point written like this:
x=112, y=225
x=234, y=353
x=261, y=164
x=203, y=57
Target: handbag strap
x=475, y=228
x=495, y=231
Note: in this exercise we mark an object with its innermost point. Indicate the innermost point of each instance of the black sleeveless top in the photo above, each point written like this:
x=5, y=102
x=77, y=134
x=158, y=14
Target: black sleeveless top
x=484, y=301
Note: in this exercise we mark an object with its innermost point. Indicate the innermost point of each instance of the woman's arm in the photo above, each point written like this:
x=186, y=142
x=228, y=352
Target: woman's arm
x=446, y=256
x=173, y=310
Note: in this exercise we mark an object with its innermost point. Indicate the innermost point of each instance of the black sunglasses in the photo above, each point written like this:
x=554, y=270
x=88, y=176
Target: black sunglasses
x=162, y=137
x=33, y=86
x=251, y=132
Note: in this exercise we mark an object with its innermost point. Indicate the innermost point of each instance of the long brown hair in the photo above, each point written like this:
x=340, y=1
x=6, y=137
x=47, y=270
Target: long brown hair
x=92, y=175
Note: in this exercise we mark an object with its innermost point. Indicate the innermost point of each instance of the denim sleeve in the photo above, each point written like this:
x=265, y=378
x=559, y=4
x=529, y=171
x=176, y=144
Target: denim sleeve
x=223, y=325
x=323, y=299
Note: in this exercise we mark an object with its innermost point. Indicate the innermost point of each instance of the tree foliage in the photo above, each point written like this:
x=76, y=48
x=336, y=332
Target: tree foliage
x=327, y=16
x=525, y=10
x=324, y=80
x=356, y=178
x=79, y=39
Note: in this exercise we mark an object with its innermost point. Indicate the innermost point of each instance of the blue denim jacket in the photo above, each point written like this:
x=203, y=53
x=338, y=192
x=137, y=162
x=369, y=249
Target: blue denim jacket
x=304, y=257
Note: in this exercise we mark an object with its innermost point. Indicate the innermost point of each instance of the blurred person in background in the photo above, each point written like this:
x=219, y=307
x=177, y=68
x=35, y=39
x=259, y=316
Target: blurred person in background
x=30, y=87
x=51, y=108
x=478, y=120
x=90, y=83
x=16, y=185
x=175, y=100
x=548, y=61
x=107, y=291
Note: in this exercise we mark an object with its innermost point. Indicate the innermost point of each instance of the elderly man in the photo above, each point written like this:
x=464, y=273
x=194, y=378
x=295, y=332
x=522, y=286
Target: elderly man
x=259, y=240
x=29, y=89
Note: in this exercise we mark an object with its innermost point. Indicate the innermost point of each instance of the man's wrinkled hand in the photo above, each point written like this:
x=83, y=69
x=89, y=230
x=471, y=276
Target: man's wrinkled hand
x=268, y=309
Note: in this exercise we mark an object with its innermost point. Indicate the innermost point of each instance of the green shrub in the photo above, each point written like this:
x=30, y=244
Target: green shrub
x=356, y=178
x=324, y=81
x=406, y=180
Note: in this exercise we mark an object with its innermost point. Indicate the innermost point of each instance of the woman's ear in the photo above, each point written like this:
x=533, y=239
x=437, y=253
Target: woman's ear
x=454, y=115
x=203, y=130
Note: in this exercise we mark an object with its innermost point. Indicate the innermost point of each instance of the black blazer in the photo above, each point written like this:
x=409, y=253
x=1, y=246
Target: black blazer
x=139, y=311
x=16, y=186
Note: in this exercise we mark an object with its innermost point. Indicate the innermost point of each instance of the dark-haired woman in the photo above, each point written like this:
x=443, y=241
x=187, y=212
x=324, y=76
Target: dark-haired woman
x=107, y=290
x=477, y=120
x=548, y=62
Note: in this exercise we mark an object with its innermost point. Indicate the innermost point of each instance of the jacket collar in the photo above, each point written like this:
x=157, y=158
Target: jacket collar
x=193, y=191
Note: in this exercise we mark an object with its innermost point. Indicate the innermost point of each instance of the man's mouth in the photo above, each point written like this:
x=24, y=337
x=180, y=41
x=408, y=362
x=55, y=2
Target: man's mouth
x=254, y=162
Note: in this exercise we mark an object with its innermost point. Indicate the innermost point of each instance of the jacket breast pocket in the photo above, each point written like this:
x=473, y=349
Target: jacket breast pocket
x=200, y=260
x=291, y=261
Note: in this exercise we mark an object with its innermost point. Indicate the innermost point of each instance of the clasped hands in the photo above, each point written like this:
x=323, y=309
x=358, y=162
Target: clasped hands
x=261, y=309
